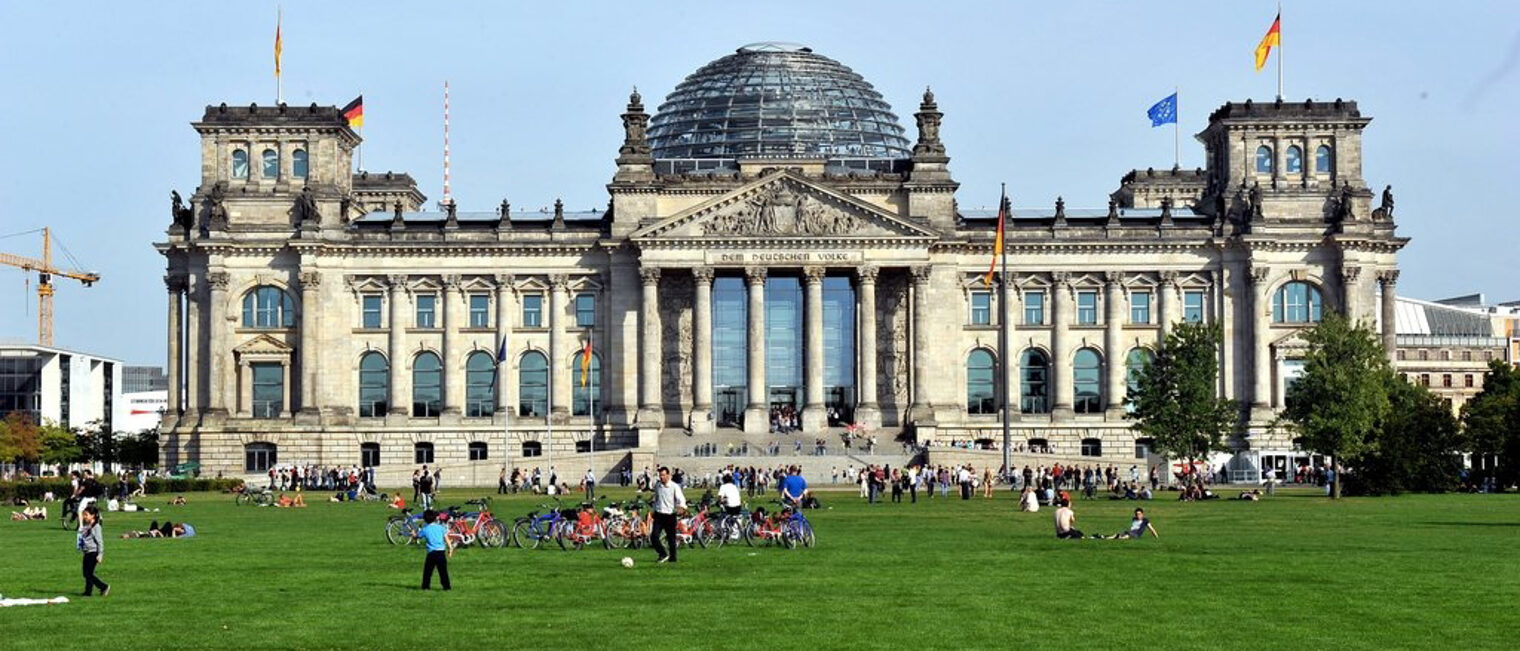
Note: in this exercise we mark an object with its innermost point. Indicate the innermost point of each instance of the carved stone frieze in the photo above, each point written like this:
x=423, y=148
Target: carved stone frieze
x=782, y=210
x=892, y=340
x=676, y=301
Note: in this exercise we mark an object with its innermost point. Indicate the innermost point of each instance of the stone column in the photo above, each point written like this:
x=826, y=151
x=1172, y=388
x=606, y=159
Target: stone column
x=814, y=415
x=176, y=287
x=244, y=407
x=1168, y=302
x=1349, y=304
x=217, y=350
x=1113, y=353
x=868, y=411
x=757, y=417
x=310, y=352
x=454, y=318
x=559, y=341
x=1009, y=313
x=284, y=387
x=505, y=317
x=702, y=359
x=195, y=375
x=921, y=410
x=1390, y=280
x=1060, y=358
x=400, y=401
x=1261, y=342
x=651, y=414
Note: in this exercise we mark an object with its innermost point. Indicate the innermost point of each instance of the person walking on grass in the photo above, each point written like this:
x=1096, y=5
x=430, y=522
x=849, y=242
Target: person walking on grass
x=92, y=543
x=439, y=550
x=668, y=498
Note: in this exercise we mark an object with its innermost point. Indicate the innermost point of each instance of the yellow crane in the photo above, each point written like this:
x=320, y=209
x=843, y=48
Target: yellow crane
x=45, y=272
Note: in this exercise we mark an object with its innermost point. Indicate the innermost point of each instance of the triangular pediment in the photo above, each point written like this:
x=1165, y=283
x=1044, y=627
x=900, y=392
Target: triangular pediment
x=263, y=346
x=783, y=206
x=1291, y=341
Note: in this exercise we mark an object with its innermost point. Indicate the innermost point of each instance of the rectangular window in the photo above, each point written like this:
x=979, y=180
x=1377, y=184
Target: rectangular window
x=422, y=453
x=1468, y=379
x=1140, y=308
x=585, y=310
x=65, y=368
x=533, y=311
x=268, y=389
x=369, y=455
x=981, y=308
x=1446, y=380
x=1087, y=308
x=480, y=311
x=370, y=310
x=1192, y=307
x=1034, y=308
x=479, y=451
x=427, y=305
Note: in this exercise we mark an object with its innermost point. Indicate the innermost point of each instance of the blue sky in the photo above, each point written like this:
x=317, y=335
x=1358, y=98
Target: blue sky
x=1049, y=97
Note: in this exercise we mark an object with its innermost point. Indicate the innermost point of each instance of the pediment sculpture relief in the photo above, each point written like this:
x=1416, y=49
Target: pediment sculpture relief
x=781, y=211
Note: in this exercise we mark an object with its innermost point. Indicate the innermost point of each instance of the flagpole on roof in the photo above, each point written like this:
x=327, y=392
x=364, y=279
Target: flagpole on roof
x=1176, y=128
x=1279, y=53
x=279, y=46
x=359, y=148
x=1003, y=324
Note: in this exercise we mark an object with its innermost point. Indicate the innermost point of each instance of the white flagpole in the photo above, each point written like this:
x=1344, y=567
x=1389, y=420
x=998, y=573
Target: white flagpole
x=1279, y=52
x=279, y=81
x=1176, y=128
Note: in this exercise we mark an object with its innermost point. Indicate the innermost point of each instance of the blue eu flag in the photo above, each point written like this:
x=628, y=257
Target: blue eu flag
x=1164, y=112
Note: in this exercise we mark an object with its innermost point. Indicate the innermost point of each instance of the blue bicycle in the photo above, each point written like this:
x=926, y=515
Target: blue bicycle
x=403, y=529
x=538, y=527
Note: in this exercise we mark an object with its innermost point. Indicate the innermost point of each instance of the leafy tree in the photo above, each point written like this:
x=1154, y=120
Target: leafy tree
x=1176, y=399
x=20, y=439
x=58, y=445
x=1491, y=420
x=139, y=450
x=1417, y=445
x=1341, y=398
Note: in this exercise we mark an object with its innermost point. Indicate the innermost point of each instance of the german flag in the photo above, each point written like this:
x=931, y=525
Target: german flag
x=586, y=362
x=354, y=112
x=997, y=243
x=1273, y=38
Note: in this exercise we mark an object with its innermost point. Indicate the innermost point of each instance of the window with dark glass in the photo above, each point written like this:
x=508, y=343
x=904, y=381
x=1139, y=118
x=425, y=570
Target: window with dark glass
x=1468, y=380
x=422, y=453
x=479, y=451
x=271, y=164
x=586, y=384
x=981, y=308
x=1087, y=308
x=1295, y=162
x=65, y=391
x=1446, y=380
x=532, y=449
x=480, y=385
x=839, y=349
x=267, y=306
x=1092, y=448
x=1134, y=365
x=1034, y=383
x=583, y=446
x=370, y=306
x=783, y=338
x=981, y=383
x=374, y=385
x=427, y=305
x=1140, y=308
x=298, y=165
x=1322, y=160
x=1143, y=448
x=268, y=389
x=1034, y=308
x=533, y=385
x=1192, y=307
x=585, y=310
x=1296, y=302
x=480, y=311
x=427, y=386
x=1087, y=380
x=1264, y=162
x=260, y=457
x=240, y=163
x=533, y=311
x=369, y=455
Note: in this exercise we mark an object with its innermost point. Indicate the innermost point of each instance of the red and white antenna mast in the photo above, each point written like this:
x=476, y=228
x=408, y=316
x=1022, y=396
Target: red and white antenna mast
x=447, y=199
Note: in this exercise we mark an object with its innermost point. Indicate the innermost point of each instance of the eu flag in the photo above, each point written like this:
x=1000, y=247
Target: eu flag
x=1164, y=112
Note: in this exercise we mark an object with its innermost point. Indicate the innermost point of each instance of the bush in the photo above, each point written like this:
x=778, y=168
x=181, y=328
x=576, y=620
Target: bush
x=34, y=489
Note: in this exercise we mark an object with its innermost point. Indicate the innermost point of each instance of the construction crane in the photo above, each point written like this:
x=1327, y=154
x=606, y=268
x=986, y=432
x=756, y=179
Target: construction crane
x=45, y=272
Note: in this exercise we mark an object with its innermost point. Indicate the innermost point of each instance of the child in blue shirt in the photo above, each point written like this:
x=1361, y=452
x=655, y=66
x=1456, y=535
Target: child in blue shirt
x=439, y=549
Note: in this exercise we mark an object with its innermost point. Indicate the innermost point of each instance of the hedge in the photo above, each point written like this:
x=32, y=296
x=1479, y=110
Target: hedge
x=34, y=489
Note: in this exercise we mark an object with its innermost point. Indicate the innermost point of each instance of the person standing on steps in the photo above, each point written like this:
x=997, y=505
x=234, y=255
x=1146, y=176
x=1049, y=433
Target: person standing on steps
x=668, y=498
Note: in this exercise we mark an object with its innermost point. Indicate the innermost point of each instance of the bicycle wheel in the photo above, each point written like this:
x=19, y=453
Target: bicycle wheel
x=493, y=534
x=263, y=499
x=789, y=536
x=69, y=518
x=242, y=499
x=512, y=533
x=806, y=531
x=703, y=534
x=395, y=532
x=561, y=532
x=527, y=534
x=617, y=535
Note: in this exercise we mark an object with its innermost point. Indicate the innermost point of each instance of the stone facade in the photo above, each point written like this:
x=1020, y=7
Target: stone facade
x=298, y=303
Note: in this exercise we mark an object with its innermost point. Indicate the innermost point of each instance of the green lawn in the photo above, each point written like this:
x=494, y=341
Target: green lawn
x=1295, y=571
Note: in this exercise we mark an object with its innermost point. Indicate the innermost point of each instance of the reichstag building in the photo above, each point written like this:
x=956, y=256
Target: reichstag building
x=777, y=253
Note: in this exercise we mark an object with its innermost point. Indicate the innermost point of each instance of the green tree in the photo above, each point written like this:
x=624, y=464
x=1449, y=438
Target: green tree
x=1176, y=399
x=1342, y=395
x=1417, y=447
x=58, y=445
x=1491, y=420
x=20, y=440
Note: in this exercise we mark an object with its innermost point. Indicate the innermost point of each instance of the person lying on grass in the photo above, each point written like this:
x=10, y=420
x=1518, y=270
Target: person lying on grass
x=285, y=502
x=166, y=530
x=30, y=513
x=1137, y=528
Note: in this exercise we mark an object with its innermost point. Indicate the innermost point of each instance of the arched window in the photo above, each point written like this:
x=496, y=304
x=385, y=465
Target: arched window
x=1134, y=363
x=298, y=165
x=267, y=306
x=586, y=382
x=1264, y=162
x=1034, y=382
x=1092, y=448
x=479, y=451
x=271, y=164
x=1087, y=380
x=1322, y=160
x=240, y=163
x=981, y=382
x=422, y=453
x=374, y=385
x=260, y=457
x=532, y=449
x=427, y=386
x=369, y=455
x=480, y=385
x=533, y=385
x=1295, y=162
x=1296, y=302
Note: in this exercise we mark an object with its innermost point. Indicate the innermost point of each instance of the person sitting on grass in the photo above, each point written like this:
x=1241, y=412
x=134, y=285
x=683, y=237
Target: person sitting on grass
x=1027, y=500
x=1137, y=527
x=399, y=503
x=30, y=513
x=179, y=500
x=1065, y=518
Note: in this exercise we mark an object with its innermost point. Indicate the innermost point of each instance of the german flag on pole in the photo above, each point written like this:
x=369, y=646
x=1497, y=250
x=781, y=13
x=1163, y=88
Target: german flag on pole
x=1273, y=38
x=586, y=362
x=997, y=243
x=354, y=112
x=279, y=44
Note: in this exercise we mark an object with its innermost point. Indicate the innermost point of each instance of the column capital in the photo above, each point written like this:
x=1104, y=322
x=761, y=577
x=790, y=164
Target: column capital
x=813, y=275
x=1060, y=279
x=1112, y=278
x=559, y=282
x=703, y=275
x=1349, y=273
x=867, y=274
x=504, y=281
x=451, y=282
x=1388, y=277
x=1259, y=273
x=397, y=281
x=310, y=280
x=649, y=275
x=218, y=280
x=176, y=283
x=1167, y=277
x=920, y=274
x=755, y=275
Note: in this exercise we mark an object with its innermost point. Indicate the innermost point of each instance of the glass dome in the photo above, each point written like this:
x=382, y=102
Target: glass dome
x=776, y=100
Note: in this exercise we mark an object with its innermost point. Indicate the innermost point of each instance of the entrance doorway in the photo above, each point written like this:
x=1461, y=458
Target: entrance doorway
x=729, y=406
x=784, y=415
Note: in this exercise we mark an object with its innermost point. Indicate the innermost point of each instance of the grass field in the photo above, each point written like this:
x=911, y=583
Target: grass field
x=1296, y=571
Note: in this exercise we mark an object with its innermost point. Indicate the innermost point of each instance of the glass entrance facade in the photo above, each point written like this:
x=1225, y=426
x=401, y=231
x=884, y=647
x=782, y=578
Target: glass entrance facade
x=839, y=350
x=730, y=319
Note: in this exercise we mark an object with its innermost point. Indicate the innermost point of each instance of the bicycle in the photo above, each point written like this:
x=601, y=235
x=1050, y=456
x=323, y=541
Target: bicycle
x=403, y=529
x=532, y=530
x=68, y=516
x=255, y=496
x=577, y=534
x=626, y=528
x=466, y=528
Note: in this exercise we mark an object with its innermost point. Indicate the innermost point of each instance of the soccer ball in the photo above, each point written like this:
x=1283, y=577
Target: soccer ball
x=627, y=562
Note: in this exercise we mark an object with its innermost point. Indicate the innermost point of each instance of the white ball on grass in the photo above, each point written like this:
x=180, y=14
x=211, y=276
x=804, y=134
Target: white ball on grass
x=627, y=562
